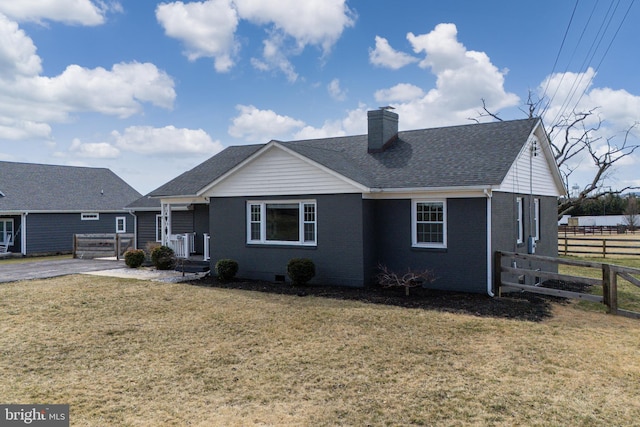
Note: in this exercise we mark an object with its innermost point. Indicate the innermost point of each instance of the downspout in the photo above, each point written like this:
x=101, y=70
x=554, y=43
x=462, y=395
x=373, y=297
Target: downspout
x=489, y=195
x=23, y=233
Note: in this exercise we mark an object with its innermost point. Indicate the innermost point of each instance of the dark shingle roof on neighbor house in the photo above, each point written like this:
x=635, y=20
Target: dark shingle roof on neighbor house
x=53, y=188
x=466, y=155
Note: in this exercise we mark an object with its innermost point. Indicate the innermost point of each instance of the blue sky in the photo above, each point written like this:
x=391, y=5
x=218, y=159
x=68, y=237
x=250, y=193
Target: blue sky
x=151, y=89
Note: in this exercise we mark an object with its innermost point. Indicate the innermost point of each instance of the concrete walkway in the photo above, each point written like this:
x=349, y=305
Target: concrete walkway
x=42, y=269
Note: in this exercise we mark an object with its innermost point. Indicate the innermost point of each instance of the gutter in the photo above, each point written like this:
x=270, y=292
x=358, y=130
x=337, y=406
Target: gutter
x=489, y=194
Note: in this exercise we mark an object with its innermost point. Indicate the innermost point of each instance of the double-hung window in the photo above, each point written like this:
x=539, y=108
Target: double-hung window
x=121, y=224
x=536, y=219
x=283, y=222
x=429, y=223
x=520, y=220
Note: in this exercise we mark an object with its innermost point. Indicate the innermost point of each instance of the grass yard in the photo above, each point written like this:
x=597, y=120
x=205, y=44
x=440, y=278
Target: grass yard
x=628, y=294
x=127, y=352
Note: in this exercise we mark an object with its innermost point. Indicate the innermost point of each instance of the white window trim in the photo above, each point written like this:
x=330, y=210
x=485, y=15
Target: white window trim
x=263, y=223
x=519, y=220
x=9, y=239
x=414, y=224
x=90, y=216
x=124, y=224
x=536, y=219
x=159, y=228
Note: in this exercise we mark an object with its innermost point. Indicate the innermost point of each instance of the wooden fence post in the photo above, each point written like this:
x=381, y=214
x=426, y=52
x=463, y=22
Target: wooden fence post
x=604, y=248
x=610, y=288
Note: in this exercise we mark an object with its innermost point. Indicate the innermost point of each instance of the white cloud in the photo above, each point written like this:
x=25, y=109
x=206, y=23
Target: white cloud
x=354, y=123
x=614, y=112
x=165, y=140
x=255, y=125
x=275, y=59
x=463, y=79
x=29, y=102
x=78, y=12
x=309, y=22
x=402, y=92
x=17, y=51
x=385, y=56
x=335, y=91
x=94, y=150
x=206, y=28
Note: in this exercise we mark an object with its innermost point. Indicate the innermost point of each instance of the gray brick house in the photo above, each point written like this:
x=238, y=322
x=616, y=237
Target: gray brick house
x=43, y=206
x=443, y=199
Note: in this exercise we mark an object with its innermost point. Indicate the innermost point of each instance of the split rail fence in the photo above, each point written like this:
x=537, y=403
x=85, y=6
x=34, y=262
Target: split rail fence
x=609, y=281
x=102, y=245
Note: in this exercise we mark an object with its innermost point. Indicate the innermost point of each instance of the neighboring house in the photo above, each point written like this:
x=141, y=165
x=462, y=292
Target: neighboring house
x=43, y=206
x=442, y=199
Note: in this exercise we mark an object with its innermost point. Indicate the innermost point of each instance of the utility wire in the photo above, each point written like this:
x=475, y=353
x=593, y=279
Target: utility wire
x=564, y=38
x=586, y=63
x=566, y=69
x=605, y=52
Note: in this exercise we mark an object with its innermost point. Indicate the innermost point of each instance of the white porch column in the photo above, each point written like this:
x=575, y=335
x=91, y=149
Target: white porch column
x=166, y=222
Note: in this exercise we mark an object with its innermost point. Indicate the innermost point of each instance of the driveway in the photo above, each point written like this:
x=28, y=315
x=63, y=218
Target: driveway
x=60, y=267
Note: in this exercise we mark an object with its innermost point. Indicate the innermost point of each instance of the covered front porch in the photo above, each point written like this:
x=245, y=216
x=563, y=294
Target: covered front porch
x=184, y=228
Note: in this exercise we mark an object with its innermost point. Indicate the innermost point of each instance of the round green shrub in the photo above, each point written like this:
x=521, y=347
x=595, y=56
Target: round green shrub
x=226, y=269
x=163, y=257
x=301, y=270
x=134, y=258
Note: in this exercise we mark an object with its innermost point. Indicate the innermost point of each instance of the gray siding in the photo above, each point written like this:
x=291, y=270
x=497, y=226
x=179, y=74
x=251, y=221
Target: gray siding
x=146, y=229
x=462, y=266
x=53, y=232
x=505, y=233
x=338, y=256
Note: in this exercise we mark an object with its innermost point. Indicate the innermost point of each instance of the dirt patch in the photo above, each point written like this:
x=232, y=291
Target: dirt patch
x=522, y=305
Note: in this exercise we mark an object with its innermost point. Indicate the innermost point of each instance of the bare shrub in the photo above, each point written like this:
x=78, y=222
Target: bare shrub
x=411, y=279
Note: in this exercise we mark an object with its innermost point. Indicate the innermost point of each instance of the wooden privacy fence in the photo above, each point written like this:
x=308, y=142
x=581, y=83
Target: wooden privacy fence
x=598, y=247
x=609, y=281
x=101, y=245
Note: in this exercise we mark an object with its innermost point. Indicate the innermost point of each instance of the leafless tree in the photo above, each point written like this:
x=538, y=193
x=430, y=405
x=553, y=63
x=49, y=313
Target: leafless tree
x=572, y=137
x=632, y=213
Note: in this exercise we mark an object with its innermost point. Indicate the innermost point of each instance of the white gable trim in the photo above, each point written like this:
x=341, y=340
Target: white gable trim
x=311, y=177
x=535, y=169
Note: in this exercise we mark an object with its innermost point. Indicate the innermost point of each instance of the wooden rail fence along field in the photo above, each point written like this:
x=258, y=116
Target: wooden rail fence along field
x=598, y=246
x=609, y=281
x=101, y=245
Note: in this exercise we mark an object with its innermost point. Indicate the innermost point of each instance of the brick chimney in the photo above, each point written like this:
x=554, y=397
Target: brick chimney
x=383, y=129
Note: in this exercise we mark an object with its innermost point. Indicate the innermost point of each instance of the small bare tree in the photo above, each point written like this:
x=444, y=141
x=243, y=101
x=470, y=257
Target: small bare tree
x=572, y=137
x=410, y=279
x=632, y=213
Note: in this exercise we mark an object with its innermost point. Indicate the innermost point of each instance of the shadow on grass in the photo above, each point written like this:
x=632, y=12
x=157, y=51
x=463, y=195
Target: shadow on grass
x=521, y=306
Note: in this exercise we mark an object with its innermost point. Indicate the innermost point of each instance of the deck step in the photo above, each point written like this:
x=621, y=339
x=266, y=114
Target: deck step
x=189, y=266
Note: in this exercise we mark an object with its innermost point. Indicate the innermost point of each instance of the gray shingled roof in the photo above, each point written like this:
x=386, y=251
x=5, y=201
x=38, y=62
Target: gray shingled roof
x=468, y=155
x=36, y=187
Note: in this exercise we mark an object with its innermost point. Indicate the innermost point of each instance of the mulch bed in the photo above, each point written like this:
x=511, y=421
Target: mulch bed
x=521, y=305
